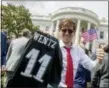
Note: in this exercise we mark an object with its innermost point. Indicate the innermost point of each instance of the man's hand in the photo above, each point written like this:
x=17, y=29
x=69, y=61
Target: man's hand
x=100, y=55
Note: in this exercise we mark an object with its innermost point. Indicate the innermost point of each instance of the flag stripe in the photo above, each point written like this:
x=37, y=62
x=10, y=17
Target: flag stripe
x=89, y=35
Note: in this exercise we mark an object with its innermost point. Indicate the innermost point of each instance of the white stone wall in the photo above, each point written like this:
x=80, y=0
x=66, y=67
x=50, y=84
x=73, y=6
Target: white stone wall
x=42, y=24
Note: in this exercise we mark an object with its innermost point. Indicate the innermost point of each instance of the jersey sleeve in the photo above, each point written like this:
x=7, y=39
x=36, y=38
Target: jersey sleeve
x=56, y=68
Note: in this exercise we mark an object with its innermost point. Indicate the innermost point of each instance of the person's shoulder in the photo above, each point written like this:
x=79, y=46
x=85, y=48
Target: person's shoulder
x=78, y=47
x=14, y=41
x=20, y=39
x=24, y=38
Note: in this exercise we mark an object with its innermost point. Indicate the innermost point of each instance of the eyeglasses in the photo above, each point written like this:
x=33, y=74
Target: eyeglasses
x=70, y=31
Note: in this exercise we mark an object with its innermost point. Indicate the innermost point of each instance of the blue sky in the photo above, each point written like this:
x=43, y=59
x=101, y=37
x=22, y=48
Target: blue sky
x=46, y=7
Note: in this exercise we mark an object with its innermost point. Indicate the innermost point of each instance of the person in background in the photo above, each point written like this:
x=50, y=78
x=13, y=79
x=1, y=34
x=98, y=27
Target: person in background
x=3, y=50
x=3, y=46
x=73, y=55
x=93, y=57
x=101, y=77
x=83, y=76
x=16, y=49
x=104, y=69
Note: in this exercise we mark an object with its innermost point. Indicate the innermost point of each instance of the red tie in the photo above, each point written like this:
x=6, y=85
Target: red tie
x=69, y=72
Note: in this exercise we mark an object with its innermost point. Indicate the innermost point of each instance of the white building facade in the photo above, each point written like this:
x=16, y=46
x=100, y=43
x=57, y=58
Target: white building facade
x=84, y=18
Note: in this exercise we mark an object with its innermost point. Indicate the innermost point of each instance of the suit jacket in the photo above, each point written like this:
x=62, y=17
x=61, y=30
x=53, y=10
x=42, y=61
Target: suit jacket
x=101, y=77
x=3, y=48
x=104, y=73
x=82, y=77
x=15, y=51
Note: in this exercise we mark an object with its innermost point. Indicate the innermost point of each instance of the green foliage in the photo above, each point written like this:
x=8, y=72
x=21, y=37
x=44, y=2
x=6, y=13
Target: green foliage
x=15, y=18
x=34, y=28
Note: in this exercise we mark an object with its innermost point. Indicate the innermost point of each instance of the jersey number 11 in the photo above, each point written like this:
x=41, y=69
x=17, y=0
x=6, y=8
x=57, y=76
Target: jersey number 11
x=44, y=61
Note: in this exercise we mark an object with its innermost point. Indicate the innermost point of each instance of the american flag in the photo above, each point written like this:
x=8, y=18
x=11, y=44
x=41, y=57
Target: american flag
x=89, y=35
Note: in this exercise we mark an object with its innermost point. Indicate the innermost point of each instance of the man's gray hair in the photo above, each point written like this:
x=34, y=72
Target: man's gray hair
x=26, y=33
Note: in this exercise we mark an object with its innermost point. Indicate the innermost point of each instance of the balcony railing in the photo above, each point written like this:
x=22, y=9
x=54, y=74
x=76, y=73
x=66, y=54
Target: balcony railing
x=76, y=9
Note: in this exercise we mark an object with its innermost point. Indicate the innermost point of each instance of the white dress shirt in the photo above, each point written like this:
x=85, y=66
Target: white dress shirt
x=78, y=56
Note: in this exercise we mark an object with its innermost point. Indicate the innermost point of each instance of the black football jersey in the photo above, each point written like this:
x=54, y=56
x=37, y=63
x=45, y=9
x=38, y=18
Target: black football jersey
x=41, y=63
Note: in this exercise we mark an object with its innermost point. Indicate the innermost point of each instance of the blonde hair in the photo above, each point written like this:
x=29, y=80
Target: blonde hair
x=67, y=22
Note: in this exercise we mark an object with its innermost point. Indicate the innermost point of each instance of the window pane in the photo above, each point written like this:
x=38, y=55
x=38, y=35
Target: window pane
x=101, y=34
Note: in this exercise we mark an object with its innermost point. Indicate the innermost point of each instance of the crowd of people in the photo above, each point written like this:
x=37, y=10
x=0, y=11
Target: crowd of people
x=77, y=65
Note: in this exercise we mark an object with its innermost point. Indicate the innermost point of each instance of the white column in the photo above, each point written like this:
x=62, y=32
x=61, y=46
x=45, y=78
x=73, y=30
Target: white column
x=52, y=28
x=88, y=26
x=57, y=29
x=88, y=43
x=77, y=32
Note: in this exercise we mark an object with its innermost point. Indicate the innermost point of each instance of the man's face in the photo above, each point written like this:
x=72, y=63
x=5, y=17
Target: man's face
x=67, y=33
